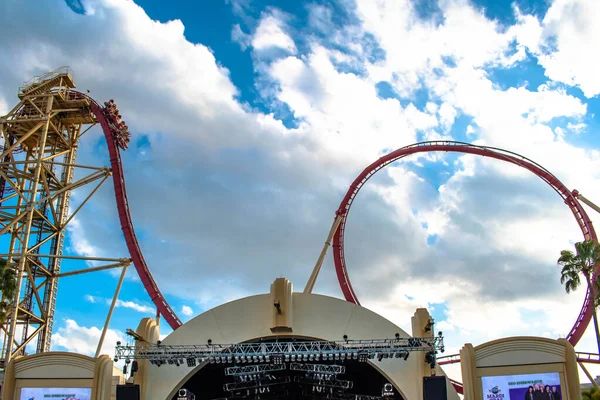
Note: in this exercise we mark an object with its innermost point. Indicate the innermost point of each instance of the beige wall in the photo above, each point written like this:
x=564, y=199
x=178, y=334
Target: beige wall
x=60, y=370
x=516, y=356
x=314, y=316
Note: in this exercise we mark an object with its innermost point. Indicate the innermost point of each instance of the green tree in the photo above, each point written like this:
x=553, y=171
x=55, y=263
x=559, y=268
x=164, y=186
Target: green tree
x=582, y=263
x=8, y=287
x=590, y=394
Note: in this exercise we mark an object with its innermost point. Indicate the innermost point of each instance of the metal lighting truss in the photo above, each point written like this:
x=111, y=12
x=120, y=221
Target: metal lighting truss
x=264, y=351
x=253, y=369
x=235, y=386
x=325, y=383
x=319, y=368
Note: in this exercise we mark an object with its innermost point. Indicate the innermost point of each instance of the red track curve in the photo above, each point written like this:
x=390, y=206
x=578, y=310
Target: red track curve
x=125, y=217
x=569, y=198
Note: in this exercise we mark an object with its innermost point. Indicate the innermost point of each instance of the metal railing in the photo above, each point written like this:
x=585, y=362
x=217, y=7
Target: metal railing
x=36, y=80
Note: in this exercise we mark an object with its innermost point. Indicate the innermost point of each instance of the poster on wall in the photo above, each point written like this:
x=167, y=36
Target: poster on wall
x=56, y=394
x=522, y=387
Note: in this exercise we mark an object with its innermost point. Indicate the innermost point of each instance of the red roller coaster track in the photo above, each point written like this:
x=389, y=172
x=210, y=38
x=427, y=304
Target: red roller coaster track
x=125, y=217
x=585, y=315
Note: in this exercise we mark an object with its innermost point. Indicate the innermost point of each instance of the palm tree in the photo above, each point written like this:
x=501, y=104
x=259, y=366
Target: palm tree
x=582, y=262
x=8, y=287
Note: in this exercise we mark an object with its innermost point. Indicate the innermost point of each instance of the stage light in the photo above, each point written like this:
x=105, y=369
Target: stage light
x=406, y=355
x=430, y=358
x=191, y=362
x=355, y=356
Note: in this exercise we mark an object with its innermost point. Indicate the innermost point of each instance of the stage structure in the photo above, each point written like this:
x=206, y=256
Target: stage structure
x=280, y=351
x=38, y=172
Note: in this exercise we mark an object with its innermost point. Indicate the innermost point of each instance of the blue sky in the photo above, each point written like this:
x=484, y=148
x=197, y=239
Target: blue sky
x=250, y=119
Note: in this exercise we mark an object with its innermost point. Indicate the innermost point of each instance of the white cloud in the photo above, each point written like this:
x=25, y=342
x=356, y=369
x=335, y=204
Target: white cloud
x=80, y=245
x=90, y=298
x=123, y=304
x=400, y=32
x=187, y=310
x=84, y=340
x=270, y=34
x=135, y=306
x=564, y=43
x=239, y=36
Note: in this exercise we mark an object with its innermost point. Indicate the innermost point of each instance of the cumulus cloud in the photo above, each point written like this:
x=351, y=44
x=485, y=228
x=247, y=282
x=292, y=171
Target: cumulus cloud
x=227, y=198
x=563, y=41
x=135, y=306
x=122, y=303
x=84, y=340
x=187, y=310
x=270, y=34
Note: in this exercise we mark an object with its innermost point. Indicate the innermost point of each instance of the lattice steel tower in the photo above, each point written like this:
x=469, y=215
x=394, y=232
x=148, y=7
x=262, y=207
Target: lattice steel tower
x=37, y=175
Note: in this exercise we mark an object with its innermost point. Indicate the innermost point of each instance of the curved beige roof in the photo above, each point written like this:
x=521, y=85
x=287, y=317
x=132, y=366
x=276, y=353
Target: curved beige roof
x=312, y=316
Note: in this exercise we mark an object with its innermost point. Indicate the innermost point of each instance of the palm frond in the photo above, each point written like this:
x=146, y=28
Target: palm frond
x=566, y=256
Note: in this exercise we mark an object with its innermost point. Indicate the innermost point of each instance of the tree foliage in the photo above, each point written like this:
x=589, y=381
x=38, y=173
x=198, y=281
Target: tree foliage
x=578, y=263
x=590, y=394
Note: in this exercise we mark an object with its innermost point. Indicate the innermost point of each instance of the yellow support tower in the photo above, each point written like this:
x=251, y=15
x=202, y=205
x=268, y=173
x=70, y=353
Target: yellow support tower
x=37, y=174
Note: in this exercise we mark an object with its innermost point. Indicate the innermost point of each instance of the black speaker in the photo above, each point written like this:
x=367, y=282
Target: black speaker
x=434, y=388
x=128, y=392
